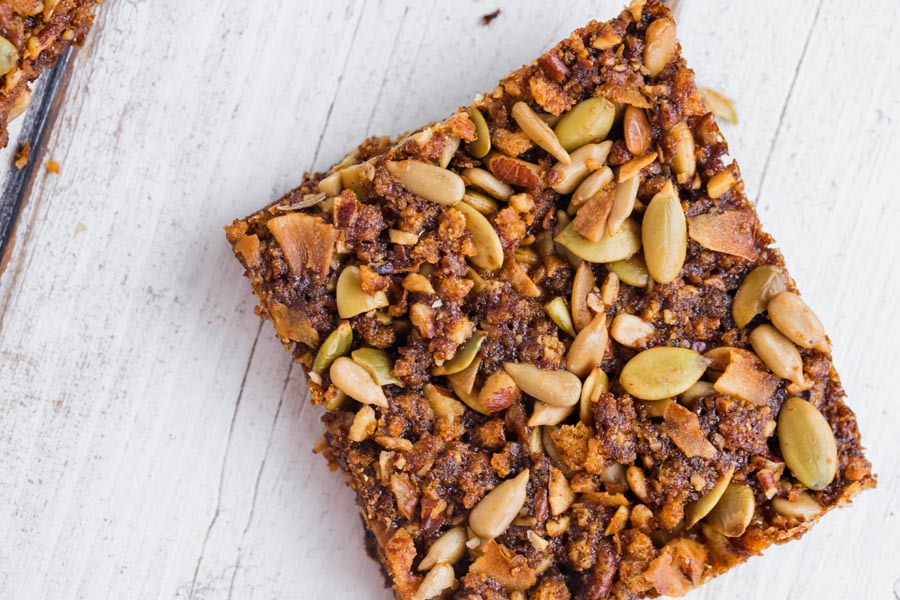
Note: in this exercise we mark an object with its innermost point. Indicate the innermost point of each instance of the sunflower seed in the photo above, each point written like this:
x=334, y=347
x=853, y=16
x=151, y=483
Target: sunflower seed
x=337, y=344
x=637, y=481
x=481, y=202
x=448, y=151
x=588, y=121
x=558, y=312
x=545, y=414
x=660, y=45
x=631, y=168
x=662, y=372
x=356, y=382
x=431, y=182
x=488, y=182
x=560, y=494
x=807, y=443
x=592, y=185
x=439, y=579
x=698, y=509
x=719, y=184
x=595, y=384
x=684, y=161
x=790, y=314
x=664, y=235
x=539, y=132
x=610, y=248
x=482, y=144
x=804, y=507
x=558, y=388
x=623, y=204
x=9, y=56
x=351, y=299
x=589, y=347
x=719, y=105
x=582, y=284
x=494, y=513
x=630, y=331
x=753, y=296
x=734, y=511
x=488, y=249
x=584, y=160
x=448, y=548
x=779, y=353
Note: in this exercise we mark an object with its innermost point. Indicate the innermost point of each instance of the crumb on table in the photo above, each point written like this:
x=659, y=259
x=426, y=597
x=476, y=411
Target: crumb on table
x=52, y=167
x=486, y=19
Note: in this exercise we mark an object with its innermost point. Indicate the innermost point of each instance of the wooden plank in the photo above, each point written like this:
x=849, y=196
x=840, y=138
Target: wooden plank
x=154, y=440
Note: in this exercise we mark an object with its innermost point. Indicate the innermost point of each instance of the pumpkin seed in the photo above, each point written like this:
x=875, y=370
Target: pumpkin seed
x=488, y=182
x=662, y=372
x=539, y=132
x=439, y=579
x=331, y=185
x=636, y=130
x=779, y=353
x=790, y=314
x=546, y=414
x=632, y=271
x=377, y=363
x=488, y=249
x=719, y=184
x=701, y=507
x=494, y=513
x=337, y=344
x=482, y=143
x=582, y=284
x=335, y=401
x=558, y=312
x=480, y=202
x=351, y=299
x=355, y=381
x=589, y=121
x=684, y=160
x=660, y=45
x=623, y=204
x=804, y=507
x=596, y=383
x=610, y=248
x=584, y=160
x=699, y=390
x=664, y=235
x=592, y=185
x=464, y=356
x=448, y=151
x=9, y=56
x=807, y=443
x=734, y=511
x=753, y=296
x=431, y=182
x=631, y=168
x=630, y=331
x=589, y=347
x=448, y=548
x=558, y=388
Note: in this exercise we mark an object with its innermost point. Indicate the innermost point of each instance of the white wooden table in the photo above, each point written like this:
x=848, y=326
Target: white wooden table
x=155, y=441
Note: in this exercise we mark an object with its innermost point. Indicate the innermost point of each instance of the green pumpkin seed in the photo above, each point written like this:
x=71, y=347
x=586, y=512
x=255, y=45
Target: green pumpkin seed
x=632, y=271
x=377, y=363
x=609, y=249
x=558, y=388
x=807, y=443
x=489, y=250
x=662, y=372
x=9, y=56
x=351, y=299
x=589, y=121
x=734, y=511
x=482, y=144
x=464, y=356
x=698, y=509
x=752, y=297
x=558, y=312
x=664, y=235
x=337, y=344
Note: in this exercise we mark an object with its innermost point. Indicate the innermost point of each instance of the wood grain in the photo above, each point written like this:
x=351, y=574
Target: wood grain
x=154, y=440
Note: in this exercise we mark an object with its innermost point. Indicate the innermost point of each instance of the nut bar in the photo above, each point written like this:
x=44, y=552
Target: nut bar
x=558, y=356
x=32, y=34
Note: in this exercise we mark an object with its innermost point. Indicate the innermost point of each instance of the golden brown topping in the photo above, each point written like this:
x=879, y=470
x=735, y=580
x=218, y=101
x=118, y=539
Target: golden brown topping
x=744, y=378
x=730, y=232
x=504, y=566
x=307, y=241
x=678, y=568
x=293, y=325
x=683, y=427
